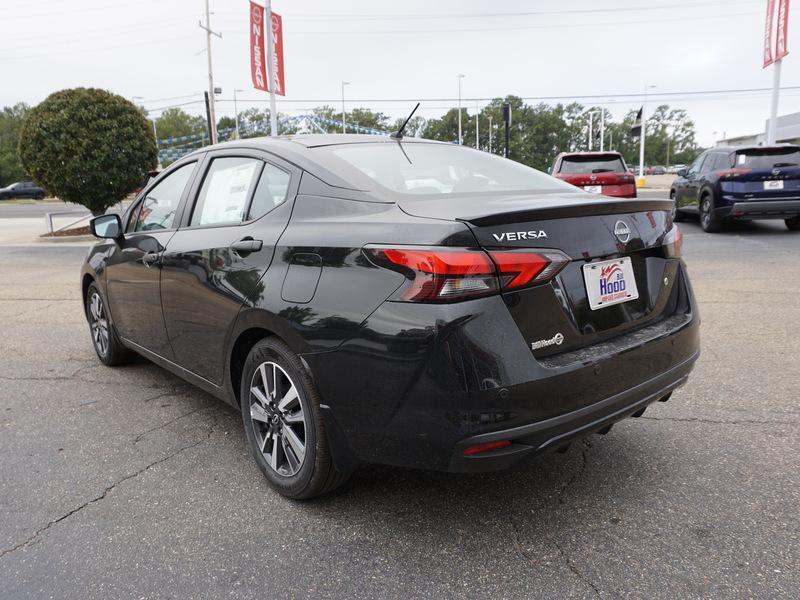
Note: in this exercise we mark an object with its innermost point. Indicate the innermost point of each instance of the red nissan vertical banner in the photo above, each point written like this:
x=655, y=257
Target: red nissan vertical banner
x=277, y=54
x=768, y=34
x=258, y=64
x=782, y=30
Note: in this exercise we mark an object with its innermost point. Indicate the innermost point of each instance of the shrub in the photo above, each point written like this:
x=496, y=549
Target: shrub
x=87, y=146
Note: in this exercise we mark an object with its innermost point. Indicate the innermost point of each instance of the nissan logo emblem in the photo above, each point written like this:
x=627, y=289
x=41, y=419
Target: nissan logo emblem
x=622, y=231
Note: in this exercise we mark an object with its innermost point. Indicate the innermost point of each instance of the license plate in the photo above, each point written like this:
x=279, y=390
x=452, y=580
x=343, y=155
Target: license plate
x=609, y=282
x=594, y=189
x=775, y=184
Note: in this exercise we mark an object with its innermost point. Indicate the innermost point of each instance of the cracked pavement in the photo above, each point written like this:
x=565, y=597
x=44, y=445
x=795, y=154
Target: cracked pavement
x=129, y=483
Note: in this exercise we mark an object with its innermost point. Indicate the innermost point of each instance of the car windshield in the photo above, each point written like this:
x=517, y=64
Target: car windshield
x=591, y=164
x=768, y=158
x=426, y=168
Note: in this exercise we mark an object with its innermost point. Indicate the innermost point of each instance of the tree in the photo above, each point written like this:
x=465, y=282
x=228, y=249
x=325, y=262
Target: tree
x=174, y=122
x=87, y=146
x=11, y=119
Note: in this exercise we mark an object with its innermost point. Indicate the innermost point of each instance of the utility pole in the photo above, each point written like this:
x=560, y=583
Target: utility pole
x=344, y=114
x=490, y=134
x=460, y=76
x=273, y=111
x=212, y=126
x=236, y=112
x=591, y=118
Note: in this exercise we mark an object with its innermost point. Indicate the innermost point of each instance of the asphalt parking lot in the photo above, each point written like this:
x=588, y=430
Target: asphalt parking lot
x=129, y=483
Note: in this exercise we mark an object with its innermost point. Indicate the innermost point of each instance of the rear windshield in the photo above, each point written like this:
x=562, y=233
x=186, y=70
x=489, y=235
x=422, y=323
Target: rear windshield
x=420, y=168
x=768, y=158
x=591, y=164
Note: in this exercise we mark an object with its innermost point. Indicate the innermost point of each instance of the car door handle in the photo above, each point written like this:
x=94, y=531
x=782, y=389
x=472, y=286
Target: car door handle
x=151, y=258
x=246, y=245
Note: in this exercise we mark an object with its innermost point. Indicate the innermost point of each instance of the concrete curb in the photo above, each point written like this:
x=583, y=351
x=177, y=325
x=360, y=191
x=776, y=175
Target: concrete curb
x=64, y=238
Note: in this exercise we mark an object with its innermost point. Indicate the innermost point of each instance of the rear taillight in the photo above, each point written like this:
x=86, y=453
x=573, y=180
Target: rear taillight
x=521, y=268
x=728, y=174
x=673, y=242
x=438, y=274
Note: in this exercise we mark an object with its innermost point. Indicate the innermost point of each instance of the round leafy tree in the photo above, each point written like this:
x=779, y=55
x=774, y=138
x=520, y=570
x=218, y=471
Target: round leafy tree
x=87, y=146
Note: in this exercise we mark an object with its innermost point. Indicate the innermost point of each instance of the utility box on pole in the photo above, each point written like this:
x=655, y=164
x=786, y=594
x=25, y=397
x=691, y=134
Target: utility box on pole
x=507, y=122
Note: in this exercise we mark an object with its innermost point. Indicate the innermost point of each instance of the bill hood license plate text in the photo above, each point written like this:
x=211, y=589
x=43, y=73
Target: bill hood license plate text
x=609, y=282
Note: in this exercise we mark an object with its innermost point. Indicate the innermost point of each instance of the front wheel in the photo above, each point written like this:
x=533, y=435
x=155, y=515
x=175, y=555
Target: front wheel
x=708, y=221
x=793, y=224
x=106, y=343
x=283, y=424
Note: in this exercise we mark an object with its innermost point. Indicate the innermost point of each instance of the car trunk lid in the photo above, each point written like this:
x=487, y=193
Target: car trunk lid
x=556, y=317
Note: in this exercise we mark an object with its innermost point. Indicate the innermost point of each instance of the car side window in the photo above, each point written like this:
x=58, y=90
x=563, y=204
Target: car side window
x=157, y=209
x=708, y=164
x=695, y=166
x=226, y=190
x=273, y=186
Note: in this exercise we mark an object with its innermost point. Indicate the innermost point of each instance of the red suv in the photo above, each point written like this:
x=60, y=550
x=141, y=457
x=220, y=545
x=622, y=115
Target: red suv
x=598, y=172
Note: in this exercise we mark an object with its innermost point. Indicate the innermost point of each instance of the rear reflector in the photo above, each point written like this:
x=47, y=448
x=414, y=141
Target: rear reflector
x=440, y=274
x=478, y=448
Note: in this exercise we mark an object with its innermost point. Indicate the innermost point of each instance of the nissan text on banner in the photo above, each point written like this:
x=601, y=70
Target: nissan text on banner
x=258, y=63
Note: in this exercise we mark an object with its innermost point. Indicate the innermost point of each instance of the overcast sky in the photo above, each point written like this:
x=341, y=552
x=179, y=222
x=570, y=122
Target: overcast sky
x=154, y=49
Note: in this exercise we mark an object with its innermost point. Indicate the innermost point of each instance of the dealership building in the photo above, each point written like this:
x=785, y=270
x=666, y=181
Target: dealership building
x=787, y=131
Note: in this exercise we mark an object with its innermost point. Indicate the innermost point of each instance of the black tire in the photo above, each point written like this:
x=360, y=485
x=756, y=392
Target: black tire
x=708, y=221
x=677, y=215
x=274, y=432
x=793, y=224
x=109, y=349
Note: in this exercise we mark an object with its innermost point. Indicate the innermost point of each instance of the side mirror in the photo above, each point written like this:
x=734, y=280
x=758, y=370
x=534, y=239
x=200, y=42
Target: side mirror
x=106, y=226
x=681, y=173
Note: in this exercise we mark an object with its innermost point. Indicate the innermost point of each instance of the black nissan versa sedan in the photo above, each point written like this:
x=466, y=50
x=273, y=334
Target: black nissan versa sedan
x=407, y=302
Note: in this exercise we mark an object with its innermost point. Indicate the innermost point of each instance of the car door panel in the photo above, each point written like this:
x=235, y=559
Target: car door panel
x=133, y=273
x=205, y=282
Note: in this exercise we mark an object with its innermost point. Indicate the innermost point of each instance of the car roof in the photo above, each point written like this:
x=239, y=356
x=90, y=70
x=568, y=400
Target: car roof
x=299, y=150
x=750, y=147
x=592, y=153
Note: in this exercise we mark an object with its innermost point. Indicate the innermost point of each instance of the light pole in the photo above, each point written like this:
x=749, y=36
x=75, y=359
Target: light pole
x=344, y=115
x=490, y=134
x=642, y=131
x=236, y=112
x=602, y=128
x=477, y=127
x=460, y=76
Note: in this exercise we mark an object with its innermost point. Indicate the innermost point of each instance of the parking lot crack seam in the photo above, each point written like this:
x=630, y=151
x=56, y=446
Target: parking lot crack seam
x=142, y=435
x=573, y=569
x=104, y=493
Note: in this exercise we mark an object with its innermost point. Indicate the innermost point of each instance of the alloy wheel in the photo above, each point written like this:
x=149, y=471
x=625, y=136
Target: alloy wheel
x=278, y=419
x=705, y=213
x=98, y=324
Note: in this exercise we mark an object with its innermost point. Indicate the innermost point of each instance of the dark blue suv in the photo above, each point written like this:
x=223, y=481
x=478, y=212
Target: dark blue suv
x=740, y=182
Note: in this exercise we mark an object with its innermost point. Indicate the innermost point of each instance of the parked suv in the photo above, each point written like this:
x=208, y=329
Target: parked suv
x=740, y=182
x=22, y=189
x=597, y=172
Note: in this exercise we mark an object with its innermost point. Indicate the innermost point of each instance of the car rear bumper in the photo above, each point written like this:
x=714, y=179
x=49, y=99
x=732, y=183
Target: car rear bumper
x=530, y=440
x=419, y=383
x=762, y=209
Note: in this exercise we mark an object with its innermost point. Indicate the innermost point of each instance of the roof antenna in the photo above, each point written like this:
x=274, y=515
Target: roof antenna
x=398, y=135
